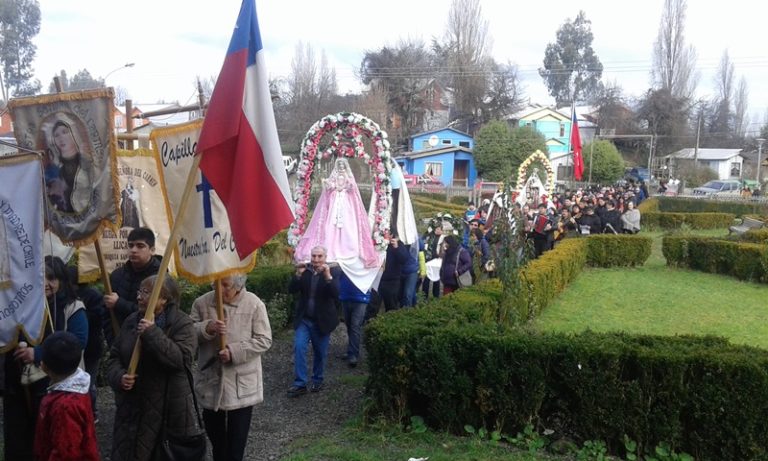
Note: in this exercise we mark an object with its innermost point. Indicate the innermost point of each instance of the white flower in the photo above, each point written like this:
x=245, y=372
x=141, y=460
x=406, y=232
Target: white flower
x=386, y=143
x=382, y=176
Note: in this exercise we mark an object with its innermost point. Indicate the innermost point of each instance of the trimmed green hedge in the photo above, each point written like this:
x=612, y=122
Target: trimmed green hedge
x=708, y=205
x=618, y=250
x=698, y=220
x=755, y=236
x=451, y=364
x=745, y=261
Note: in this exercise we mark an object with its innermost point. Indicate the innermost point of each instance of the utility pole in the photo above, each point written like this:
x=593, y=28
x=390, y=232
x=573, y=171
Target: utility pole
x=760, y=142
x=696, y=149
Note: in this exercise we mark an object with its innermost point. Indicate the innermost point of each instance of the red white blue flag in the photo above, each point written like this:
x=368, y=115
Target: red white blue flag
x=578, y=159
x=241, y=152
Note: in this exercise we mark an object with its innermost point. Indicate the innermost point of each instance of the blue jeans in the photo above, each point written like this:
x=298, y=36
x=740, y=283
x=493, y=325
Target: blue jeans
x=408, y=289
x=354, y=317
x=307, y=331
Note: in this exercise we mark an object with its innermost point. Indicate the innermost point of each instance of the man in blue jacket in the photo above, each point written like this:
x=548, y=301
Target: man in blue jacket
x=354, y=303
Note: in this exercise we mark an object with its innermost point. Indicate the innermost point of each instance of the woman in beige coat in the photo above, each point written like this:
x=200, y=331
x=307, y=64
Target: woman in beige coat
x=229, y=379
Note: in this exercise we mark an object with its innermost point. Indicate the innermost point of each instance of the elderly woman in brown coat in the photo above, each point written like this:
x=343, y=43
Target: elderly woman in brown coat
x=158, y=397
x=229, y=379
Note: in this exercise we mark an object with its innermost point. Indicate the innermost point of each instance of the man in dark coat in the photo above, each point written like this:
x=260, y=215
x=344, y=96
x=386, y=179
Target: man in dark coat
x=125, y=280
x=314, y=319
x=611, y=220
x=589, y=222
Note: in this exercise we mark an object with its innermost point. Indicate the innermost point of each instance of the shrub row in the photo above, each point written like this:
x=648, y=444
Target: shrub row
x=698, y=220
x=755, y=236
x=449, y=365
x=708, y=205
x=745, y=261
x=618, y=250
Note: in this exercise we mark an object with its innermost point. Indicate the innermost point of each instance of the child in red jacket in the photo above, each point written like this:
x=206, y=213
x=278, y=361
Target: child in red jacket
x=65, y=428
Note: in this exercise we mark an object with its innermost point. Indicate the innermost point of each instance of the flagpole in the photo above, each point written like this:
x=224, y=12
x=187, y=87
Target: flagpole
x=161, y=272
x=107, y=285
x=220, y=311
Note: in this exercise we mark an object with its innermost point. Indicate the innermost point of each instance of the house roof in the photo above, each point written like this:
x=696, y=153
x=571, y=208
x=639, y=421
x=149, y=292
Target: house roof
x=431, y=152
x=439, y=130
x=537, y=112
x=705, y=154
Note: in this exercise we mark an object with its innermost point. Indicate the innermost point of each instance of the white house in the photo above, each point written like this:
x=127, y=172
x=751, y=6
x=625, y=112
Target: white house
x=727, y=163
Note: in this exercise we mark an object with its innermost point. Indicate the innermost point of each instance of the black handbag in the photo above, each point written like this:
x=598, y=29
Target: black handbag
x=183, y=448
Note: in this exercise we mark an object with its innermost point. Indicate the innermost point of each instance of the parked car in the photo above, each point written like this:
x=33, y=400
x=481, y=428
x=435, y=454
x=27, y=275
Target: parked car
x=638, y=174
x=719, y=187
x=290, y=164
x=423, y=183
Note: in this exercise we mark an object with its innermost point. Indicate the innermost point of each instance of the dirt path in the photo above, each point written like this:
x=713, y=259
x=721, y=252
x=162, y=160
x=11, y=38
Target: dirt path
x=279, y=420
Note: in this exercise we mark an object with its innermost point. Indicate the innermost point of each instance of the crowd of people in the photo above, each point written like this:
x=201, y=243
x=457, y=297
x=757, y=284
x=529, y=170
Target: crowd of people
x=50, y=389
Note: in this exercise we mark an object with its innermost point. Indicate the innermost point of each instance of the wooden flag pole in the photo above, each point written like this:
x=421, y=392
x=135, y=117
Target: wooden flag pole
x=161, y=272
x=107, y=285
x=220, y=312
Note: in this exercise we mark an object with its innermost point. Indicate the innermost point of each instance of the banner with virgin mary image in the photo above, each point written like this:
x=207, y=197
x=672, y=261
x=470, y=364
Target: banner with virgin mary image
x=22, y=293
x=205, y=248
x=142, y=204
x=76, y=133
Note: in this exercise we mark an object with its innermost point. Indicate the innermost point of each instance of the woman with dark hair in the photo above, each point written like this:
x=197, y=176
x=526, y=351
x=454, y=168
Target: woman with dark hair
x=24, y=387
x=68, y=179
x=456, y=261
x=158, y=398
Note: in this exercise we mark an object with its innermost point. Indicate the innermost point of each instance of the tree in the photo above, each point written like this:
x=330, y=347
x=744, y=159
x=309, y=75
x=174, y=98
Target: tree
x=674, y=63
x=499, y=150
x=465, y=54
x=572, y=70
x=604, y=161
x=82, y=80
x=504, y=95
x=307, y=94
x=740, y=116
x=721, y=124
x=19, y=24
x=402, y=74
x=666, y=116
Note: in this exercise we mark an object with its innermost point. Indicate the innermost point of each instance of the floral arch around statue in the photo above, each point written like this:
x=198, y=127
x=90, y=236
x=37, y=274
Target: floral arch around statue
x=527, y=179
x=348, y=130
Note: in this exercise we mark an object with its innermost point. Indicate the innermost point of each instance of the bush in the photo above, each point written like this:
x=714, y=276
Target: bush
x=698, y=220
x=618, y=250
x=709, y=205
x=455, y=368
x=745, y=261
x=755, y=236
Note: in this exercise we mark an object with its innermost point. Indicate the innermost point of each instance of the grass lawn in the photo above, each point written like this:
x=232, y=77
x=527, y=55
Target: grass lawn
x=360, y=443
x=656, y=299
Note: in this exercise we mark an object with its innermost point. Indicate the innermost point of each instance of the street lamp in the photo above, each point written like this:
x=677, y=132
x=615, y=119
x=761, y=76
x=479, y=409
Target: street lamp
x=130, y=64
x=760, y=142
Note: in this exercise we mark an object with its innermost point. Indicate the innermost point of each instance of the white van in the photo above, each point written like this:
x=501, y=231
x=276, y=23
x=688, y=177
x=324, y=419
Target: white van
x=290, y=164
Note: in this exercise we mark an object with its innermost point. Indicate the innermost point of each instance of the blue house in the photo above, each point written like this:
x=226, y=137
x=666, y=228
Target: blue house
x=445, y=153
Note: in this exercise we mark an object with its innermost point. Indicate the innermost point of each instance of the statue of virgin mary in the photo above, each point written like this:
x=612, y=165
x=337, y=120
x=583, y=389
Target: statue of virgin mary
x=339, y=222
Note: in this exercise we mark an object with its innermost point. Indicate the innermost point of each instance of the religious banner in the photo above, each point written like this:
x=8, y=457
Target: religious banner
x=142, y=204
x=22, y=279
x=205, y=249
x=76, y=134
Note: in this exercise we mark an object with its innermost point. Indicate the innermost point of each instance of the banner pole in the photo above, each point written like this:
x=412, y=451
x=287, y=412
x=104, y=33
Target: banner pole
x=220, y=311
x=107, y=285
x=161, y=272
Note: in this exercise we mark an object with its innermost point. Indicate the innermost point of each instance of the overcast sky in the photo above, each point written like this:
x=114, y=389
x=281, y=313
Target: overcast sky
x=173, y=41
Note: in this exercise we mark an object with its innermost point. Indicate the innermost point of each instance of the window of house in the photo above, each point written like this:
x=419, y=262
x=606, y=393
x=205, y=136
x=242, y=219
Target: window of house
x=425, y=144
x=447, y=142
x=433, y=168
x=735, y=169
x=564, y=172
x=464, y=144
x=562, y=130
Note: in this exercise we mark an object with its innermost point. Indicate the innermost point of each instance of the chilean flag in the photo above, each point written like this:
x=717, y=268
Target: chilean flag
x=241, y=152
x=578, y=159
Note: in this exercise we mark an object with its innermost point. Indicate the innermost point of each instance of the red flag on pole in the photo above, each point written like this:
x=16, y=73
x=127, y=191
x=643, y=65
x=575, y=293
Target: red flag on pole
x=241, y=152
x=578, y=159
